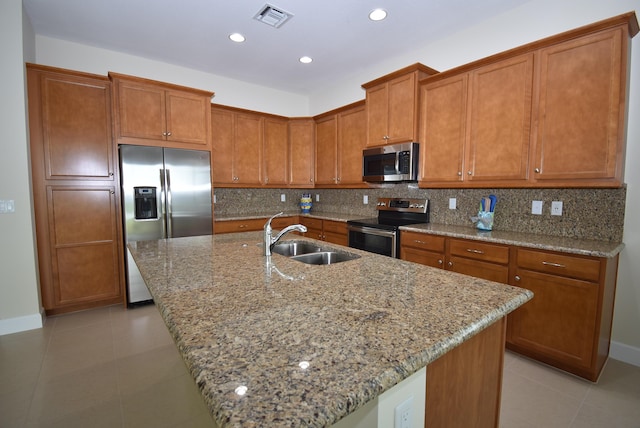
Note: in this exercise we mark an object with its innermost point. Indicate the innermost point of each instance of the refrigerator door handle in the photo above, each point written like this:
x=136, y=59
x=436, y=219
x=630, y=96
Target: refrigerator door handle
x=163, y=202
x=169, y=208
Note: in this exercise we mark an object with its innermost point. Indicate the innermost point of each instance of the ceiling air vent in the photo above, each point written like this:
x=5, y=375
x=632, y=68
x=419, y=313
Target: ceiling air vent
x=272, y=16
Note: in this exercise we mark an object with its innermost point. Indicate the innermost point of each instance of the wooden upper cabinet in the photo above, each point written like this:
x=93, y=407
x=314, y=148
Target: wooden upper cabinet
x=236, y=152
x=392, y=106
x=475, y=126
x=75, y=126
x=499, y=126
x=276, y=151
x=327, y=150
x=351, y=141
x=156, y=113
x=301, y=152
x=581, y=118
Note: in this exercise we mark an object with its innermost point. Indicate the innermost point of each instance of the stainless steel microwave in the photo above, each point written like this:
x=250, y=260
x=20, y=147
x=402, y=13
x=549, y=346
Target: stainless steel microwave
x=395, y=162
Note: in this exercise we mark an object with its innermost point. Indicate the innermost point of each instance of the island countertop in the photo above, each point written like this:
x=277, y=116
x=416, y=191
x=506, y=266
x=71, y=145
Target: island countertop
x=310, y=344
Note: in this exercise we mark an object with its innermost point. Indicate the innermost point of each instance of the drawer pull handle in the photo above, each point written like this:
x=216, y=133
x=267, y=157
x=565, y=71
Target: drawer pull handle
x=517, y=278
x=419, y=242
x=553, y=264
x=469, y=250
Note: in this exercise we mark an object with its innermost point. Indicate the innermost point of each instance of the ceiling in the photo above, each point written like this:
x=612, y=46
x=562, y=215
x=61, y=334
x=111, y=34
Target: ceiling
x=337, y=34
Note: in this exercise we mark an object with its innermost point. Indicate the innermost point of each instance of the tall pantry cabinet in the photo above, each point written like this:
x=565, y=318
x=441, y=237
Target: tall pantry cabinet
x=75, y=189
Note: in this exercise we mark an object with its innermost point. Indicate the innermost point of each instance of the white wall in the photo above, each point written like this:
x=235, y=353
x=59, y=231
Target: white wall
x=19, y=292
x=74, y=56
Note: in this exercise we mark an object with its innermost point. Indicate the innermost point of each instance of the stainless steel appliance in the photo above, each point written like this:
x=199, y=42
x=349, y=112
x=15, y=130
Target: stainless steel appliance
x=380, y=234
x=394, y=162
x=166, y=193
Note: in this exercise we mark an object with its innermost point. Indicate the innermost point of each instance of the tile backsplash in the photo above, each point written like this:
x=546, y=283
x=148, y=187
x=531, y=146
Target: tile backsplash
x=586, y=213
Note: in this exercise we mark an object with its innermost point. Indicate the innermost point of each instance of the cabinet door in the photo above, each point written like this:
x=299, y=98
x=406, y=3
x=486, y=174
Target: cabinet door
x=222, y=138
x=402, y=109
x=377, y=115
x=187, y=118
x=580, y=131
x=479, y=269
x=276, y=151
x=500, y=121
x=351, y=140
x=326, y=150
x=85, y=256
x=443, y=109
x=424, y=257
x=76, y=128
x=301, y=152
x=559, y=322
x=141, y=111
x=335, y=232
x=247, y=149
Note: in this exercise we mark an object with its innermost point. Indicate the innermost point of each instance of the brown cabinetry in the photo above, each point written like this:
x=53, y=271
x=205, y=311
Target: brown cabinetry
x=475, y=126
x=340, y=138
x=276, y=151
x=392, y=106
x=567, y=324
x=326, y=230
x=301, y=152
x=252, y=224
x=581, y=114
x=236, y=152
x=479, y=259
x=75, y=189
x=156, y=113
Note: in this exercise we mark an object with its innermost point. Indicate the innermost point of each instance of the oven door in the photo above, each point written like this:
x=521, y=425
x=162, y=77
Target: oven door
x=374, y=240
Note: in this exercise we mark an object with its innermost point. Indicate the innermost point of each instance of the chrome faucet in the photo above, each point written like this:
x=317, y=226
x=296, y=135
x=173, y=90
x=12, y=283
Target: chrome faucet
x=269, y=241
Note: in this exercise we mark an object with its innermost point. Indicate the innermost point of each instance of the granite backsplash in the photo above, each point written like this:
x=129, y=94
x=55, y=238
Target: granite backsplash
x=587, y=213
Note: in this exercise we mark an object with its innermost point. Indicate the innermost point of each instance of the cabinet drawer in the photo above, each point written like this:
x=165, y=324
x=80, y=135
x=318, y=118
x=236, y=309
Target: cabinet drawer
x=311, y=223
x=331, y=226
x=230, y=226
x=422, y=241
x=586, y=268
x=282, y=222
x=494, y=253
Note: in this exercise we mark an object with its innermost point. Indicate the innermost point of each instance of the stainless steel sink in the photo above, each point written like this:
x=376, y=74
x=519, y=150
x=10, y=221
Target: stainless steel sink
x=310, y=253
x=295, y=248
x=325, y=257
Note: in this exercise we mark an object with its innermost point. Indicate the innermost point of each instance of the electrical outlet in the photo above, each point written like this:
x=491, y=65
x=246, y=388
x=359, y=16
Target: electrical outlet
x=283, y=197
x=214, y=199
x=404, y=414
x=536, y=207
x=556, y=208
x=317, y=197
x=452, y=203
x=7, y=206
x=365, y=199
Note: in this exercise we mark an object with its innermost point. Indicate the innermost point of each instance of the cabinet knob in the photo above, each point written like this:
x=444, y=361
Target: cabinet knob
x=168, y=134
x=459, y=173
x=164, y=134
x=517, y=278
x=469, y=173
x=235, y=178
x=537, y=170
x=338, y=179
x=111, y=174
x=450, y=263
x=439, y=261
x=386, y=137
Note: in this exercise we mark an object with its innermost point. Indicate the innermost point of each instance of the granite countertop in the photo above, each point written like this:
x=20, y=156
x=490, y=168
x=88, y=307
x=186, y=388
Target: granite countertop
x=241, y=319
x=584, y=247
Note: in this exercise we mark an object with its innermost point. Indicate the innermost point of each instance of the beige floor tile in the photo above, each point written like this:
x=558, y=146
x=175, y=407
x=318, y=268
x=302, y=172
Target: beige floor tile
x=593, y=417
x=14, y=406
x=170, y=403
x=79, y=319
x=617, y=391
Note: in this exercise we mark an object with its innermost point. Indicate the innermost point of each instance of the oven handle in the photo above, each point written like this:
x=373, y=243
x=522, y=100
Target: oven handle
x=371, y=230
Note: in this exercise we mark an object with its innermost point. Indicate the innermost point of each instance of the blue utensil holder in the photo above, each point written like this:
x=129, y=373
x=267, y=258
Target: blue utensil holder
x=485, y=220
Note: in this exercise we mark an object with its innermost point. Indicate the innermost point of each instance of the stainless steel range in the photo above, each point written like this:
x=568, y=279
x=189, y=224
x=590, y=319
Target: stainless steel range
x=380, y=234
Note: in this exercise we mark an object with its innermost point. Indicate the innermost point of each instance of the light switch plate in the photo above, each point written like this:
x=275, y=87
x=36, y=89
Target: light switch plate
x=283, y=197
x=317, y=197
x=365, y=199
x=453, y=203
x=536, y=207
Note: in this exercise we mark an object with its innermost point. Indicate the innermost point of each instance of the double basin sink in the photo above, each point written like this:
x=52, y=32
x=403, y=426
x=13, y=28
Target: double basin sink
x=310, y=253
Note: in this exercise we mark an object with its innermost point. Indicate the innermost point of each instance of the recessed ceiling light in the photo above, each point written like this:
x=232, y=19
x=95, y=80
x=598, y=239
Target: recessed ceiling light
x=377, y=14
x=237, y=37
x=305, y=59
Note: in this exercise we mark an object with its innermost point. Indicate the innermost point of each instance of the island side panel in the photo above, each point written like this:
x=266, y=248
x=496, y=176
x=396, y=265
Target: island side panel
x=464, y=385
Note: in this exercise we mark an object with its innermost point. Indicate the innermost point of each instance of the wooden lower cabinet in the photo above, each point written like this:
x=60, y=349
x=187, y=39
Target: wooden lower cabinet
x=326, y=230
x=464, y=385
x=252, y=224
x=567, y=324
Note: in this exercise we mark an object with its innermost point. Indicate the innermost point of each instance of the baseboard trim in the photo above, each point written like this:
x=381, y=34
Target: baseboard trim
x=18, y=324
x=625, y=353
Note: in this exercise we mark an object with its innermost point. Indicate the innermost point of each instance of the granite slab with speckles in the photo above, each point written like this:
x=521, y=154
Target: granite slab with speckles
x=240, y=319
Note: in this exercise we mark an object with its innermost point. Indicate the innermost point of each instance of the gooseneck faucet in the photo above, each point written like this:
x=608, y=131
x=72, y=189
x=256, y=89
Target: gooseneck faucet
x=270, y=241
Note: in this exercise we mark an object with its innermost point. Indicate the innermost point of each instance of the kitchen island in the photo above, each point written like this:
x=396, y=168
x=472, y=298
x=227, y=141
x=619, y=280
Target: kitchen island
x=276, y=342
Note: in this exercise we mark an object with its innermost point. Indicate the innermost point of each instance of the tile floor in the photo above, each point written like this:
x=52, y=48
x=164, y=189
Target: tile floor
x=112, y=367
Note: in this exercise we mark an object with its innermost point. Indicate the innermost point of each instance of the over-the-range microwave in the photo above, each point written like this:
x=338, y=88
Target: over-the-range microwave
x=394, y=162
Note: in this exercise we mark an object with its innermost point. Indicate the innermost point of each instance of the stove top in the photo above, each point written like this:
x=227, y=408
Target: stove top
x=396, y=212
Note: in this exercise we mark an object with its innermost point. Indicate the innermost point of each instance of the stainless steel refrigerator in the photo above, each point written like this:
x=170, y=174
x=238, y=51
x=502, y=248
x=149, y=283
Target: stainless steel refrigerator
x=166, y=193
